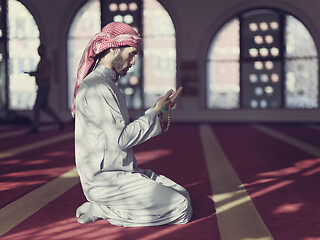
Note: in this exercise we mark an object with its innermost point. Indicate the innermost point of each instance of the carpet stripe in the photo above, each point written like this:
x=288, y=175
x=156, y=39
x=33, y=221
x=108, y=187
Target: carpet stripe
x=23, y=131
x=32, y=146
x=236, y=214
x=13, y=133
x=290, y=140
x=19, y=210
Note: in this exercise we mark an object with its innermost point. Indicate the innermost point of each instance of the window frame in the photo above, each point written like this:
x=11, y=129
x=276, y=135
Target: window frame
x=4, y=38
x=282, y=13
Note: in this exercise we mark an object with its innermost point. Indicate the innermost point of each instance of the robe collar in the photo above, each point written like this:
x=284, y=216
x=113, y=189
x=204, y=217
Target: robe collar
x=107, y=73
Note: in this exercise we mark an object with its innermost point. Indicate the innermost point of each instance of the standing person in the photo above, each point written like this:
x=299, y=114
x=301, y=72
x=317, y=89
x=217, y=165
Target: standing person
x=115, y=188
x=42, y=75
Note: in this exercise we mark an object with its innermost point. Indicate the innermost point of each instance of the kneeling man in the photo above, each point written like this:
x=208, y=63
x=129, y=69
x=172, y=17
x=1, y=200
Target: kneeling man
x=115, y=188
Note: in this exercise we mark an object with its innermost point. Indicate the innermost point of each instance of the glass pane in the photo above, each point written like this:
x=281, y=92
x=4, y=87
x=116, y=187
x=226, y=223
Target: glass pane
x=159, y=51
x=299, y=42
x=223, y=69
x=84, y=26
x=301, y=88
x=301, y=65
x=223, y=90
x=261, y=84
x=225, y=45
x=23, y=38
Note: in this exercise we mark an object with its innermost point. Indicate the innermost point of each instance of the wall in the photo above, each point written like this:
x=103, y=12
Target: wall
x=196, y=23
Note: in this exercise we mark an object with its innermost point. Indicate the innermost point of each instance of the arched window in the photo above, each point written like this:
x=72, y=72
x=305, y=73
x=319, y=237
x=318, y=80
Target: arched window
x=19, y=34
x=262, y=59
x=155, y=69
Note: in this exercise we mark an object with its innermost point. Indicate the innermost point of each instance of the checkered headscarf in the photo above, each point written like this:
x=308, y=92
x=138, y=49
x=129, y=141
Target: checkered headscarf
x=114, y=34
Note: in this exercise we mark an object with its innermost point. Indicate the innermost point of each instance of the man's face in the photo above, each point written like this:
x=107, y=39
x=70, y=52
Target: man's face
x=124, y=60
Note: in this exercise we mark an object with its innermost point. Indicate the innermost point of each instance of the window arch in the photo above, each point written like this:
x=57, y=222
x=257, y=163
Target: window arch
x=262, y=59
x=19, y=34
x=155, y=69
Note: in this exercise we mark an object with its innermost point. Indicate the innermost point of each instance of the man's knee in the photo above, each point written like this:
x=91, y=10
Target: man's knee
x=185, y=213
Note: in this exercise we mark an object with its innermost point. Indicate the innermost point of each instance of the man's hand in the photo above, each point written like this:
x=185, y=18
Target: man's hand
x=170, y=95
x=174, y=99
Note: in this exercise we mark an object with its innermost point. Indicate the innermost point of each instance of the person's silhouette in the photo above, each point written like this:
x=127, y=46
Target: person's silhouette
x=43, y=75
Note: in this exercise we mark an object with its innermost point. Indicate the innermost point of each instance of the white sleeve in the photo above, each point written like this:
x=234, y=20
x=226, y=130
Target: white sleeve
x=105, y=111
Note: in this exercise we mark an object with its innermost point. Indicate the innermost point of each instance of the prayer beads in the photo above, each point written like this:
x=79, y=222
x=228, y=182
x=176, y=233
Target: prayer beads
x=165, y=129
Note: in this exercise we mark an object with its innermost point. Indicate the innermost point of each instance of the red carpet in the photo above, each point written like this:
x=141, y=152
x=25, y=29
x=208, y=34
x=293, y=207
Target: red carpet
x=16, y=141
x=10, y=128
x=177, y=154
x=24, y=172
x=302, y=132
x=281, y=180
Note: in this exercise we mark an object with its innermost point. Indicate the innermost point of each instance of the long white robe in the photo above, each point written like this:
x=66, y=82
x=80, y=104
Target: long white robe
x=116, y=189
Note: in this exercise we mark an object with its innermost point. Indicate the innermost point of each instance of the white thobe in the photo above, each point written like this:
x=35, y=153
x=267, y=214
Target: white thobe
x=116, y=189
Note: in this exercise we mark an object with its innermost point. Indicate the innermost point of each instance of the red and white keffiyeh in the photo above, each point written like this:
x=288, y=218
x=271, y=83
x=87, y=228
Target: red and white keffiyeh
x=114, y=34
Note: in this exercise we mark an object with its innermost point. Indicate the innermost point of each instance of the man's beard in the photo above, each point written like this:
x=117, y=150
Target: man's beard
x=118, y=65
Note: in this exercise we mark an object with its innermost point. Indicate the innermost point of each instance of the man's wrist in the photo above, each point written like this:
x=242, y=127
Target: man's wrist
x=159, y=112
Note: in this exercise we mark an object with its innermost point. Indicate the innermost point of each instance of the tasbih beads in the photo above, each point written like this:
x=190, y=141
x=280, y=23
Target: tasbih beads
x=165, y=129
